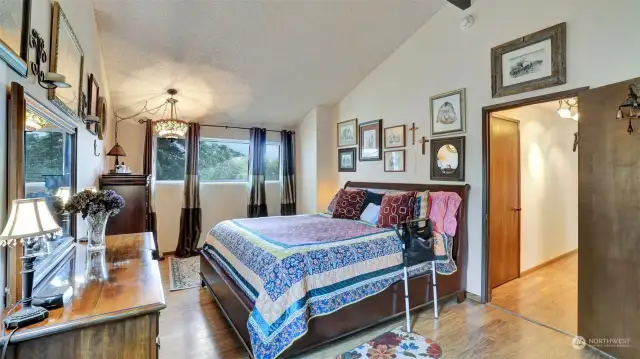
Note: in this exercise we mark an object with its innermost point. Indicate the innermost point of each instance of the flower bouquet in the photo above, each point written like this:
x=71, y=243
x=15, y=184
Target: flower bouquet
x=96, y=207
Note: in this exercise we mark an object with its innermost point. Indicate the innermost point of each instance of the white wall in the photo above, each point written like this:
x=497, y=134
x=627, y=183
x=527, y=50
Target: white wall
x=219, y=200
x=440, y=57
x=549, y=185
x=315, y=160
x=81, y=16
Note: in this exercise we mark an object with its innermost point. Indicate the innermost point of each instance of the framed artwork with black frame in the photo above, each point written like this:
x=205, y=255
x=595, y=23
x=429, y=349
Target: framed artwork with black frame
x=15, y=23
x=94, y=95
x=530, y=63
x=394, y=161
x=370, y=134
x=347, y=159
x=447, y=159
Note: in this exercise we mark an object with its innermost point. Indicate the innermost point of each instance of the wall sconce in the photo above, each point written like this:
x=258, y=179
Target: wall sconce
x=630, y=108
x=48, y=80
x=565, y=108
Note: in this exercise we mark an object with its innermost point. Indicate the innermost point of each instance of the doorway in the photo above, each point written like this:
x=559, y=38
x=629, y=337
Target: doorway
x=531, y=171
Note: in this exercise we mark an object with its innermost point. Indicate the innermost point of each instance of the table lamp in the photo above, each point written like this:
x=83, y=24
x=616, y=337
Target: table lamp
x=30, y=220
x=64, y=193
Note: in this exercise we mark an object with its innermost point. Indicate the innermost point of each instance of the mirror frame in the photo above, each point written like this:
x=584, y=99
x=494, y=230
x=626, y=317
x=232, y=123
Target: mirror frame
x=19, y=101
x=436, y=144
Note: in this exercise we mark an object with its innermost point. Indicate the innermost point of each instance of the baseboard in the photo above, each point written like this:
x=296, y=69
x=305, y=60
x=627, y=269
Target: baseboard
x=549, y=262
x=474, y=297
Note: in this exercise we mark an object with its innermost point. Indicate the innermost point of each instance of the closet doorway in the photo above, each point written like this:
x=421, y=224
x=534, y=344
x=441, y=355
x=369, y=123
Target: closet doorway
x=531, y=171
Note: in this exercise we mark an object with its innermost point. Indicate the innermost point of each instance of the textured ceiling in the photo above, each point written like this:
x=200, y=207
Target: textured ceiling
x=248, y=62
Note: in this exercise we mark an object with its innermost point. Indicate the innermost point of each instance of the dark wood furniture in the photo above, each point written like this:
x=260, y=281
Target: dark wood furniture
x=134, y=189
x=373, y=310
x=608, y=226
x=113, y=315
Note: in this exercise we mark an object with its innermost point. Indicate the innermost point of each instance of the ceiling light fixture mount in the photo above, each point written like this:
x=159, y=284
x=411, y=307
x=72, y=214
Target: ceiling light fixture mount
x=49, y=80
x=172, y=127
x=630, y=106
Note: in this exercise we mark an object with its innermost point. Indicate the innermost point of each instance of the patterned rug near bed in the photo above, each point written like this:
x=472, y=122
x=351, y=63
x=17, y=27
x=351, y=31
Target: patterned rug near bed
x=396, y=344
x=184, y=273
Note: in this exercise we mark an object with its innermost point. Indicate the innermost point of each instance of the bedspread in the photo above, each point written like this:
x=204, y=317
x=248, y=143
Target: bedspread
x=299, y=267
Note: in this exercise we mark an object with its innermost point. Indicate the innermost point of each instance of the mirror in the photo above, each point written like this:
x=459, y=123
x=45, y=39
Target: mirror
x=448, y=159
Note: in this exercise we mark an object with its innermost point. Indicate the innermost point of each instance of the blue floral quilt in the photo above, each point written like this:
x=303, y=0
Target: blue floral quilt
x=299, y=267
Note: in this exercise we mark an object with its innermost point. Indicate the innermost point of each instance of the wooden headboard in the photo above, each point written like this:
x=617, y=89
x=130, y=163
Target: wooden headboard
x=460, y=239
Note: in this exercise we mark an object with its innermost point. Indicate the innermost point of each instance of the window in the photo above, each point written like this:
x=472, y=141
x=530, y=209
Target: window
x=220, y=160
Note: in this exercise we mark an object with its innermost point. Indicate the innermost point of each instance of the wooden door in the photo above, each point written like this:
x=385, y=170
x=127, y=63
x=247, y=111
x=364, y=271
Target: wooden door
x=504, y=200
x=608, y=222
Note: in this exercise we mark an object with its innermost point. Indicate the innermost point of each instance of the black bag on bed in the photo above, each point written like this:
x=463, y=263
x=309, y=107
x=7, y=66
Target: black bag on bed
x=417, y=236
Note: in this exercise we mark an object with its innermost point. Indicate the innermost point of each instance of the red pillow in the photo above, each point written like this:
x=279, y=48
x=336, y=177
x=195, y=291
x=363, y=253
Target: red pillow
x=332, y=205
x=396, y=208
x=349, y=204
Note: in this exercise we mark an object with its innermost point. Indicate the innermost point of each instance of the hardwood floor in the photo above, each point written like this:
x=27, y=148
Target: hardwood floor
x=548, y=296
x=192, y=327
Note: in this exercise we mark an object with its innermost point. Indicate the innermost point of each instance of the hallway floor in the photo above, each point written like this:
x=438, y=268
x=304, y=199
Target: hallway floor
x=548, y=296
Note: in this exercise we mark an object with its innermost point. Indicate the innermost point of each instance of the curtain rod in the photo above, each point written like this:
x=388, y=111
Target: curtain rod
x=241, y=128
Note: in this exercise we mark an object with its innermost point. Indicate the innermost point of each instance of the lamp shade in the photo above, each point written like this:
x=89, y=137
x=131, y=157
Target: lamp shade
x=117, y=150
x=64, y=193
x=29, y=218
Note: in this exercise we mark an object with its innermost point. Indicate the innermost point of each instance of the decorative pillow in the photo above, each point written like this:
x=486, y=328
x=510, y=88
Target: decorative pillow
x=396, y=207
x=349, y=205
x=372, y=197
x=332, y=205
x=370, y=214
x=422, y=205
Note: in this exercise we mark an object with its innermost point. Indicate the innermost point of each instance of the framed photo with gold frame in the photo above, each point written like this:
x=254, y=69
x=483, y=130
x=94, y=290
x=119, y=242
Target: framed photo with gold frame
x=67, y=58
x=15, y=23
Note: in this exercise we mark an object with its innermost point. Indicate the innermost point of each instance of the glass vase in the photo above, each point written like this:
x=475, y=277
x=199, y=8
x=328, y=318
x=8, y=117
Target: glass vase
x=97, y=224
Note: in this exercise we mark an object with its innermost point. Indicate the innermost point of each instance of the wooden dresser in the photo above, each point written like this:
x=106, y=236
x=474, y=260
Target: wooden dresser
x=135, y=191
x=113, y=311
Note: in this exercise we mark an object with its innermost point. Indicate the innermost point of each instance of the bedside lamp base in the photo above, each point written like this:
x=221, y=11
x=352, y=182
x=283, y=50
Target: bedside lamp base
x=25, y=316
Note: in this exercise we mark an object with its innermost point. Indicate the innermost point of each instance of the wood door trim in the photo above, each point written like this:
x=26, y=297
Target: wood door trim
x=519, y=204
x=485, y=295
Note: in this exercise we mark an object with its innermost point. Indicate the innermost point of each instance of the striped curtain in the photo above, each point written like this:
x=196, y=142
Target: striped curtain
x=191, y=216
x=257, y=162
x=149, y=168
x=288, y=177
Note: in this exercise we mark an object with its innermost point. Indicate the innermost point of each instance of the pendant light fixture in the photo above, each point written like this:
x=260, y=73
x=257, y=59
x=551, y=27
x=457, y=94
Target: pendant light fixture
x=172, y=127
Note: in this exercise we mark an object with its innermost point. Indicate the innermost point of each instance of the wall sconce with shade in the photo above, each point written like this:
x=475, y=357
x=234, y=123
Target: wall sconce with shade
x=47, y=80
x=30, y=221
x=630, y=108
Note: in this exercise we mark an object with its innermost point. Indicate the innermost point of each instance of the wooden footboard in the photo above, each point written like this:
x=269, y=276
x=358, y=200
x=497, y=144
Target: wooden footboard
x=369, y=312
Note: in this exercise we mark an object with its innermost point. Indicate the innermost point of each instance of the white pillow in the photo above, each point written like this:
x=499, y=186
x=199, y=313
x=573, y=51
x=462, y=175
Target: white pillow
x=370, y=214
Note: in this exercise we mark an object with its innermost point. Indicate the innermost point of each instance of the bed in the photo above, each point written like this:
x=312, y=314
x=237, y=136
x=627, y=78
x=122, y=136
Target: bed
x=245, y=263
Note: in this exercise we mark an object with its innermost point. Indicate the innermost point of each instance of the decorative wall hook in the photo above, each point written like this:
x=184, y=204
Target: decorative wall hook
x=576, y=137
x=95, y=148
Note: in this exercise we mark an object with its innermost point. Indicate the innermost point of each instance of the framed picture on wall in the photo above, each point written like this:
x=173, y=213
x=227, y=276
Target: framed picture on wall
x=448, y=113
x=394, y=137
x=530, y=63
x=370, y=134
x=94, y=94
x=348, y=133
x=347, y=159
x=394, y=161
x=15, y=24
x=447, y=159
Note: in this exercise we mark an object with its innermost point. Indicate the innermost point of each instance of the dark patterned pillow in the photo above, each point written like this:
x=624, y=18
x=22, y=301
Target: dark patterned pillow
x=332, y=205
x=349, y=204
x=396, y=207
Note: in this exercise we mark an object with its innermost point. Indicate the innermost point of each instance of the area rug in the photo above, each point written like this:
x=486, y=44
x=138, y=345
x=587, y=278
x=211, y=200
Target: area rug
x=396, y=344
x=185, y=273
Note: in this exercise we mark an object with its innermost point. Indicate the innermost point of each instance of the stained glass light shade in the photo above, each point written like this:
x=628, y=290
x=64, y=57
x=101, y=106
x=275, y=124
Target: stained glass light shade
x=170, y=128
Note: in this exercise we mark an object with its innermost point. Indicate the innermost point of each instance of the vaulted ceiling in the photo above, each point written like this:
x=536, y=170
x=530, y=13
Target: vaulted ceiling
x=248, y=62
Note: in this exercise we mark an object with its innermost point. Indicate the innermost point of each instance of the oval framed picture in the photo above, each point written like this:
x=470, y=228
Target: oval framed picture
x=447, y=159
